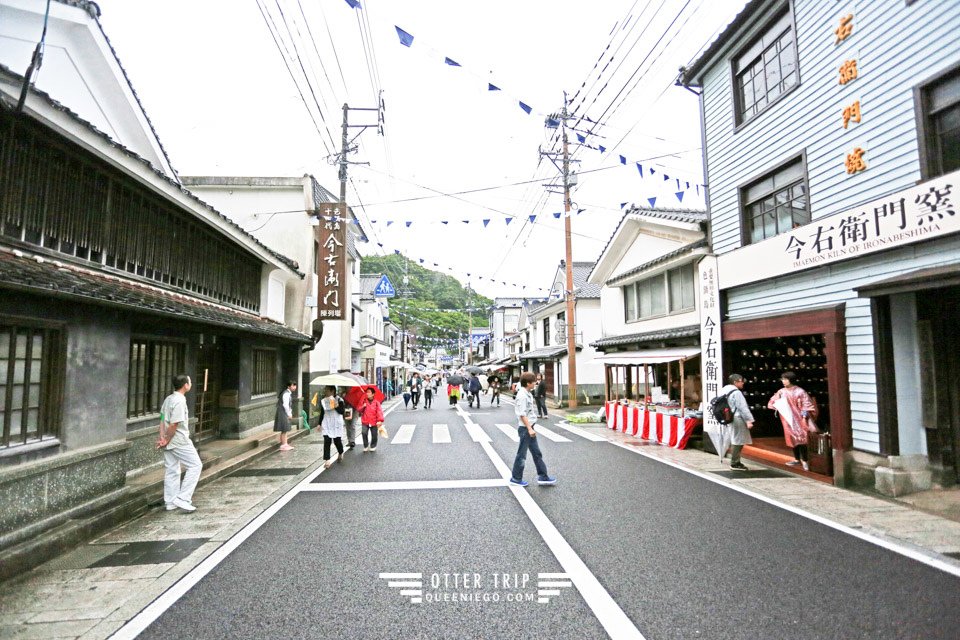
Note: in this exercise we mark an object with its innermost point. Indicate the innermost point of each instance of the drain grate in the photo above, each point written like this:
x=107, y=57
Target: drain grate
x=753, y=474
x=153, y=552
x=273, y=471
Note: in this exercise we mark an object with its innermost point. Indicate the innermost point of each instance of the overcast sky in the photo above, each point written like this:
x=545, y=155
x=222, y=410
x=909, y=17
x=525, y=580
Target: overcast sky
x=216, y=86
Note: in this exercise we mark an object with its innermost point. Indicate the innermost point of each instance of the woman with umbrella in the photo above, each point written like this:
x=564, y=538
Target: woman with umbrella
x=332, y=424
x=453, y=389
x=371, y=417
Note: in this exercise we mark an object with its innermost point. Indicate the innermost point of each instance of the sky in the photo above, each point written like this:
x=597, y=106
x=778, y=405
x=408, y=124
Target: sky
x=215, y=78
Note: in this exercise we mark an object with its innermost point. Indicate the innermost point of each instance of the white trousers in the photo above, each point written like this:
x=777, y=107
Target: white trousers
x=172, y=459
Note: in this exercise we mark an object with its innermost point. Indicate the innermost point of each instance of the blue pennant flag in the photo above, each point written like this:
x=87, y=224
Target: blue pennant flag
x=509, y=220
x=466, y=222
x=623, y=160
x=602, y=148
x=380, y=244
x=492, y=87
x=581, y=138
x=688, y=185
x=579, y=211
x=435, y=264
x=652, y=171
x=640, y=169
x=354, y=4
x=444, y=222
x=389, y=222
x=396, y=251
x=408, y=223
x=652, y=201
x=405, y=38
x=698, y=189
x=421, y=260
x=680, y=196
x=486, y=221
x=558, y=214
x=665, y=177
x=552, y=123
x=526, y=107
x=373, y=222
x=532, y=218
x=623, y=204
x=451, y=62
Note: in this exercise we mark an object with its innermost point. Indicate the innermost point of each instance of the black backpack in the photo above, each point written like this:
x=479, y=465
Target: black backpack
x=721, y=410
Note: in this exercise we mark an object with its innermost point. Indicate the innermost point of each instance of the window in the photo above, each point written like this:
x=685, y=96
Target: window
x=153, y=363
x=665, y=293
x=546, y=332
x=938, y=111
x=264, y=371
x=681, y=288
x=30, y=372
x=776, y=203
x=765, y=69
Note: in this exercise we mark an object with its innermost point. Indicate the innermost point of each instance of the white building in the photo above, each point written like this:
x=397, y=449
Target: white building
x=546, y=328
x=504, y=323
x=649, y=299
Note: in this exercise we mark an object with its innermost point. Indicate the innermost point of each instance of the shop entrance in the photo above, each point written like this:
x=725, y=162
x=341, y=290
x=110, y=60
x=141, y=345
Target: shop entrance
x=938, y=316
x=207, y=386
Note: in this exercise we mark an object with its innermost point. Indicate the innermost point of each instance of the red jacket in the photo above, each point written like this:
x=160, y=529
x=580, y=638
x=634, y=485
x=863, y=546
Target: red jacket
x=371, y=413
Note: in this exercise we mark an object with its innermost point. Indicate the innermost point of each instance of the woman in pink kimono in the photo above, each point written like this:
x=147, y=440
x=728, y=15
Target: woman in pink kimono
x=797, y=412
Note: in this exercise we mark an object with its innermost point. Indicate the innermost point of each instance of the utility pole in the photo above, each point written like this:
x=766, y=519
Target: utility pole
x=340, y=228
x=568, y=262
x=403, y=292
x=470, y=324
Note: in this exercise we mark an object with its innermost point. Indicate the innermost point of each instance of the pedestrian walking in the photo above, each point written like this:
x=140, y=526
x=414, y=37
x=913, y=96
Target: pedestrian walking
x=284, y=414
x=332, y=424
x=349, y=422
x=388, y=387
x=416, y=388
x=406, y=399
x=540, y=395
x=178, y=449
x=474, y=387
x=495, y=391
x=526, y=423
x=371, y=419
x=797, y=412
x=427, y=392
x=742, y=419
x=453, y=394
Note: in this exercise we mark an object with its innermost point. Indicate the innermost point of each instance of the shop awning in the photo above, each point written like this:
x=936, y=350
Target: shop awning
x=931, y=278
x=397, y=363
x=648, y=356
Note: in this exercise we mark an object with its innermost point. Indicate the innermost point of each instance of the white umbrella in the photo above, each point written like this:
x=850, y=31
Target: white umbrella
x=720, y=434
x=336, y=380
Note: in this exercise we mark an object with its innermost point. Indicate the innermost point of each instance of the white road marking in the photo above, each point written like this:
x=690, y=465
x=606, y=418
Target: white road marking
x=399, y=576
x=913, y=554
x=593, y=437
x=510, y=431
x=404, y=434
x=441, y=434
x=549, y=435
x=405, y=484
x=548, y=592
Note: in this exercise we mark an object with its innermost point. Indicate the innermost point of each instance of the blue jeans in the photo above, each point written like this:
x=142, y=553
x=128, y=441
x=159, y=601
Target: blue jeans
x=526, y=442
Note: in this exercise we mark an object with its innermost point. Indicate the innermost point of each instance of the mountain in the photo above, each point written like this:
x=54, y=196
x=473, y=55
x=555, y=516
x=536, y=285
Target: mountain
x=430, y=292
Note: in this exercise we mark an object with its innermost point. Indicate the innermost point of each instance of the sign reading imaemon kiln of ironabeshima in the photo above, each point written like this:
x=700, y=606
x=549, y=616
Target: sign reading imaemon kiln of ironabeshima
x=923, y=212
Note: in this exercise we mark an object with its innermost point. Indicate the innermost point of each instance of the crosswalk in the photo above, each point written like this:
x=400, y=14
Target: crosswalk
x=441, y=433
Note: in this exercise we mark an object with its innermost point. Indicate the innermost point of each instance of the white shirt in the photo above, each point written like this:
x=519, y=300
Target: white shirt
x=174, y=410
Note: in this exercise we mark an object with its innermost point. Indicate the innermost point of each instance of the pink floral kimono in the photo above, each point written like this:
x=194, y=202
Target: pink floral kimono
x=788, y=403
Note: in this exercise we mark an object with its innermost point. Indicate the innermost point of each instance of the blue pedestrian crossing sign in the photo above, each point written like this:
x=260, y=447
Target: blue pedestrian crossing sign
x=384, y=288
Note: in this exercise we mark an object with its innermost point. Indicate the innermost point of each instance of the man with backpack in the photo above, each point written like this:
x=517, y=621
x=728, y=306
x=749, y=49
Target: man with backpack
x=737, y=411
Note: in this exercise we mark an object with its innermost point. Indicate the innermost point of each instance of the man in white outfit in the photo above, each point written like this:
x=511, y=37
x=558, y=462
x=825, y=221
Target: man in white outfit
x=178, y=448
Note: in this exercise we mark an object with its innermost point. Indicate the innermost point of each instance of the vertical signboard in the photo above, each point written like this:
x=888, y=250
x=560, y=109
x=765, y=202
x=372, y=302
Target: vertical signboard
x=332, y=266
x=711, y=352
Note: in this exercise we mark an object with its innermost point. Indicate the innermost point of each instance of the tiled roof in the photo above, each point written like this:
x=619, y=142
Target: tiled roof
x=582, y=288
x=650, y=336
x=546, y=353
x=689, y=73
x=16, y=78
x=508, y=302
x=699, y=244
x=368, y=282
x=63, y=280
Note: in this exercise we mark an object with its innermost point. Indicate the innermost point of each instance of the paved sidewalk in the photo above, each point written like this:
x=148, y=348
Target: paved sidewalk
x=93, y=590
x=899, y=521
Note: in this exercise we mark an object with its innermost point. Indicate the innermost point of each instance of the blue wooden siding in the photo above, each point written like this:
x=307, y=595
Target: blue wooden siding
x=896, y=48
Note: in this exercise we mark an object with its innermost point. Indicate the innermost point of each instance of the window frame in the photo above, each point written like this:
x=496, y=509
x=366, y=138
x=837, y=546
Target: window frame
x=663, y=276
x=546, y=331
x=165, y=385
x=739, y=119
x=742, y=203
x=256, y=390
x=51, y=379
x=925, y=132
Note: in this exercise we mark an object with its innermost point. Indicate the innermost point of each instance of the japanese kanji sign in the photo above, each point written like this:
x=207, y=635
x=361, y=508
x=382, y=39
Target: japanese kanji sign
x=928, y=210
x=711, y=355
x=332, y=265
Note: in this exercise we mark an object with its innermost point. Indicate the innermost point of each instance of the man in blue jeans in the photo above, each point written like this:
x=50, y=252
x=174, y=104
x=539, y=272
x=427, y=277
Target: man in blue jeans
x=526, y=411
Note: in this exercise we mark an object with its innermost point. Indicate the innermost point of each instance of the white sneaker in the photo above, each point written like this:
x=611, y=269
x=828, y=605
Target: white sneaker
x=186, y=506
x=171, y=506
x=373, y=448
x=365, y=449
x=806, y=466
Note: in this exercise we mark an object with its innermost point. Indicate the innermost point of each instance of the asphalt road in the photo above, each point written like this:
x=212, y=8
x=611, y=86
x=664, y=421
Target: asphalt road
x=628, y=545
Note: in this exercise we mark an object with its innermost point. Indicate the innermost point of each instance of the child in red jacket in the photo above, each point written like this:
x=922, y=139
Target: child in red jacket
x=371, y=419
